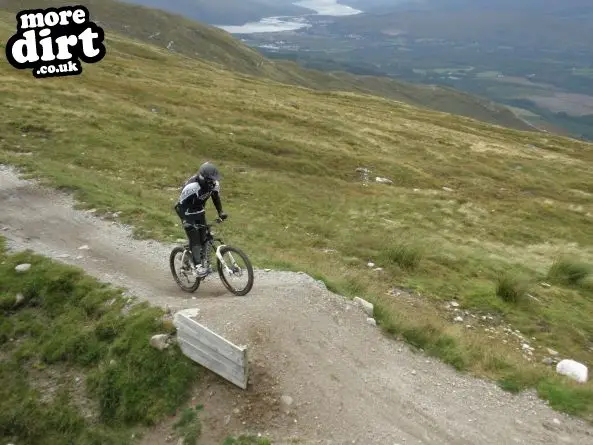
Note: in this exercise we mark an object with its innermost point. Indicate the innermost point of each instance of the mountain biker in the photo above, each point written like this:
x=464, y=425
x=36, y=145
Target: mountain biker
x=190, y=209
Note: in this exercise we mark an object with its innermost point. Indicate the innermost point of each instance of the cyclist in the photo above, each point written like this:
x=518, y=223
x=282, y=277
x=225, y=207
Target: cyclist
x=190, y=209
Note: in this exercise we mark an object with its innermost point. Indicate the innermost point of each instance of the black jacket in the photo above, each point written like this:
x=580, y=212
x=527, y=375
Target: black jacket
x=193, y=198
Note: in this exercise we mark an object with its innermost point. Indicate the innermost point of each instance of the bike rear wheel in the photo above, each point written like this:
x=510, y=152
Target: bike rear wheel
x=231, y=263
x=193, y=282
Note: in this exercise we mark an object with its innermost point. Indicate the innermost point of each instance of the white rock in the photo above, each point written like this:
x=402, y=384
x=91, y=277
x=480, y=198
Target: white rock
x=552, y=352
x=159, y=341
x=23, y=267
x=189, y=313
x=371, y=321
x=370, y=264
x=459, y=319
x=19, y=299
x=573, y=369
x=454, y=304
x=366, y=306
x=383, y=180
x=85, y=247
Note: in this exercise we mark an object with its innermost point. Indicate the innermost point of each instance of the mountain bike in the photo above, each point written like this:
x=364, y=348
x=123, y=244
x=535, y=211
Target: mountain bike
x=219, y=248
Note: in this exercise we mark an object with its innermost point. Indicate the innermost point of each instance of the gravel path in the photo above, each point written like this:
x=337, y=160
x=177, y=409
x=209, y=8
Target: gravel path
x=319, y=372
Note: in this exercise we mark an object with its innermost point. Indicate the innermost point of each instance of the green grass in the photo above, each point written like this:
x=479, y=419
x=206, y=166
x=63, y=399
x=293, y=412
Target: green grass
x=189, y=426
x=69, y=334
x=511, y=288
x=568, y=271
x=512, y=200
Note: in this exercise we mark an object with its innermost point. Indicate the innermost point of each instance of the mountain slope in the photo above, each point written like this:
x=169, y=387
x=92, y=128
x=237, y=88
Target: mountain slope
x=196, y=40
x=473, y=209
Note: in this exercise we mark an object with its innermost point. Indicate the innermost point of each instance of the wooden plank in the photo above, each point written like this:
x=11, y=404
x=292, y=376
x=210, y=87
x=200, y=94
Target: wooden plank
x=211, y=350
x=237, y=375
x=211, y=339
x=205, y=345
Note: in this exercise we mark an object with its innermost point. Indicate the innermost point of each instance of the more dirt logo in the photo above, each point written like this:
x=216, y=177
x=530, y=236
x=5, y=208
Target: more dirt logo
x=51, y=41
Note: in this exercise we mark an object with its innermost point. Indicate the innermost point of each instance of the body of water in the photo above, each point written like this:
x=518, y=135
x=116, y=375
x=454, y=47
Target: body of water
x=279, y=24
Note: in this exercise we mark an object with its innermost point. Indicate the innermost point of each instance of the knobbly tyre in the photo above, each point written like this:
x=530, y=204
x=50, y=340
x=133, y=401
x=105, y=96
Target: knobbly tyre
x=216, y=246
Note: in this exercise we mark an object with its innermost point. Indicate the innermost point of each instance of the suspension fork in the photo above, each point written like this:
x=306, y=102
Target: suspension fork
x=219, y=256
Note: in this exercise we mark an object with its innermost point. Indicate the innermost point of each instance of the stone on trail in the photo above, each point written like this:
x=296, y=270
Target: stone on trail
x=366, y=306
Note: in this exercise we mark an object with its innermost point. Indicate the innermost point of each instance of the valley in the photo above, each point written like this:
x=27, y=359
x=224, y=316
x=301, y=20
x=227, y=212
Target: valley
x=470, y=50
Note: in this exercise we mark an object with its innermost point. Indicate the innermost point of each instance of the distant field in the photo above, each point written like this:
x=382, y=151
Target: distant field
x=572, y=104
x=585, y=72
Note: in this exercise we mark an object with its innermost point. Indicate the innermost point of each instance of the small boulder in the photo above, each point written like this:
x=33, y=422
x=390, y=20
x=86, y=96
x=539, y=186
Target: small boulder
x=548, y=361
x=383, y=180
x=366, y=306
x=573, y=369
x=22, y=267
x=160, y=341
x=371, y=321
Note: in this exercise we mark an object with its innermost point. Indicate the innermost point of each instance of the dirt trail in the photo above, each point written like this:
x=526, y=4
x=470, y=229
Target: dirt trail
x=349, y=384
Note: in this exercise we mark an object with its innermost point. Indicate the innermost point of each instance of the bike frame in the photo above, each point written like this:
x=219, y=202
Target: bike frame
x=211, y=240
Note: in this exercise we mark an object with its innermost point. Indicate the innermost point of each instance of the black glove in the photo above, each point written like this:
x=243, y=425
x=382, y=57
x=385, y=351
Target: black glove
x=223, y=216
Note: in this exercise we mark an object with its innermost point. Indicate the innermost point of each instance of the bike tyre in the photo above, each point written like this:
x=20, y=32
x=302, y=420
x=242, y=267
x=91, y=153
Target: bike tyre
x=245, y=258
x=188, y=289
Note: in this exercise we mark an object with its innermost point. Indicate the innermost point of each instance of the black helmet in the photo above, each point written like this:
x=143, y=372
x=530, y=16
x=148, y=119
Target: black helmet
x=209, y=172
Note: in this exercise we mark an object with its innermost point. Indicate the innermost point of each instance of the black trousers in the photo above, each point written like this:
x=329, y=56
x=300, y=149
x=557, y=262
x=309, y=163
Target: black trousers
x=196, y=237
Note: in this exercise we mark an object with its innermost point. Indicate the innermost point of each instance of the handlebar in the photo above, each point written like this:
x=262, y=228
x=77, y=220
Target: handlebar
x=217, y=220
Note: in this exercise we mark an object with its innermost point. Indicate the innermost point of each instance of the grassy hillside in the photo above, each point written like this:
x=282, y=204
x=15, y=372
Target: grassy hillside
x=476, y=213
x=195, y=40
x=68, y=351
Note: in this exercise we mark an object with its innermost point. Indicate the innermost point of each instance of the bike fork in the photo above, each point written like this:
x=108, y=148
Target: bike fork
x=219, y=256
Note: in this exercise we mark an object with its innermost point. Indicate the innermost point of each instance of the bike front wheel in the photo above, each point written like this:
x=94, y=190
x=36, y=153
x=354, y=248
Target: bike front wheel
x=186, y=279
x=231, y=266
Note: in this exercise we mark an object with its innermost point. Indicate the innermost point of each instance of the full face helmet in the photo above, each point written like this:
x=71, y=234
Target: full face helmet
x=209, y=173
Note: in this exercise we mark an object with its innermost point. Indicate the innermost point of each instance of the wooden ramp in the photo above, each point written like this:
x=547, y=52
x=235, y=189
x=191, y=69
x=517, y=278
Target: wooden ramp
x=210, y=349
